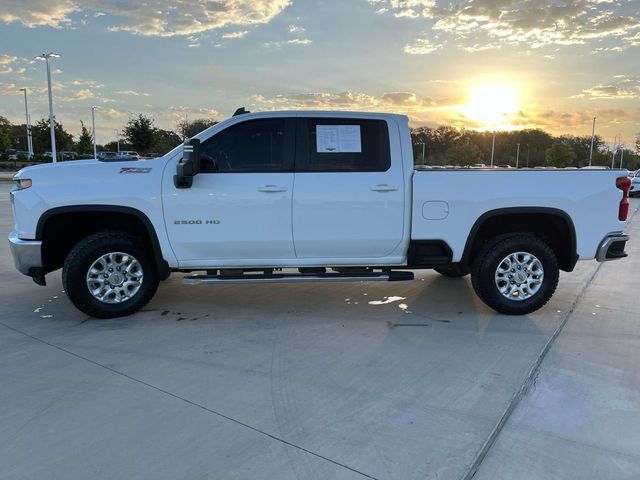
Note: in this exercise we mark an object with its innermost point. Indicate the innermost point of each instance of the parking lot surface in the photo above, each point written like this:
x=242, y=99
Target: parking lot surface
x=403, y=380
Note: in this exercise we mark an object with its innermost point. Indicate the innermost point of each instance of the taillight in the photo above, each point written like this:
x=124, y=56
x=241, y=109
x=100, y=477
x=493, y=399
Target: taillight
x=624, y=184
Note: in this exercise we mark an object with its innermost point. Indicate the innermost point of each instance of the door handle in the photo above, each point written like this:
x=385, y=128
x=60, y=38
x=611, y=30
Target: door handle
x=272, y=189
x=384, y=188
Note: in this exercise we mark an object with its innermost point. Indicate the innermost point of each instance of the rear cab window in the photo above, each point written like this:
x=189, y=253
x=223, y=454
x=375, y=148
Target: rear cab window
x=325, y=144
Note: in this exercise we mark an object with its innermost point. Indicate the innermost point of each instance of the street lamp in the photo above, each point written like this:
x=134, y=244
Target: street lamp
x=93, y=123
x=493, y=146
x=593, y=136
x=46, y=57
x=517, y=155
x=118, y=141
x=28, y=119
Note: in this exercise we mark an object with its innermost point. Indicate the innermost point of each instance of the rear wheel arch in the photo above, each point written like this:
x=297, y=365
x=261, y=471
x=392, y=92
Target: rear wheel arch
x=554, y=226
x=74, y=223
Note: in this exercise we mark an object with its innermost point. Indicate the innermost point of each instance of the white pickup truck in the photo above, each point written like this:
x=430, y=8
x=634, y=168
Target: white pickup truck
x=308, y=196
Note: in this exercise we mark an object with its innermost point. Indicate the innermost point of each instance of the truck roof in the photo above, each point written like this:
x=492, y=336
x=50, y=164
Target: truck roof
x=320, y=113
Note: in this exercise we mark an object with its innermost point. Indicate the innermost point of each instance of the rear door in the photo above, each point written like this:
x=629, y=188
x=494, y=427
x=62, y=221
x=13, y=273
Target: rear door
x=348, y=193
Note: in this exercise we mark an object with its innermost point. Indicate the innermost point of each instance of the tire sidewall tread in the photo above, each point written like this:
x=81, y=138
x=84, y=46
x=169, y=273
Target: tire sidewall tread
x=486, y=263
x=85, y=252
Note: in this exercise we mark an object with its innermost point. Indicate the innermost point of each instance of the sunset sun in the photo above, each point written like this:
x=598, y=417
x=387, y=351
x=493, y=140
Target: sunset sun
x=492, y=105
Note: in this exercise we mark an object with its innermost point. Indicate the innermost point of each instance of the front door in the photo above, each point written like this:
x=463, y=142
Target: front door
x=238, y=210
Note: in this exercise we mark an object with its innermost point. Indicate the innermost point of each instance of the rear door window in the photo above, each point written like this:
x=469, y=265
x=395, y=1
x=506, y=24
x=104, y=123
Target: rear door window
x=342, y=145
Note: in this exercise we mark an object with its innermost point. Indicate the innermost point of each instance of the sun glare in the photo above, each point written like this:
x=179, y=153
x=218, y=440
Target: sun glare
x=492, y=106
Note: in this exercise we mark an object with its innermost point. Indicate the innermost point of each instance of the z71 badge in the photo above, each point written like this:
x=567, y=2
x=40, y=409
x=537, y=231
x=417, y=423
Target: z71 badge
x=134, y=170
x=196, y=222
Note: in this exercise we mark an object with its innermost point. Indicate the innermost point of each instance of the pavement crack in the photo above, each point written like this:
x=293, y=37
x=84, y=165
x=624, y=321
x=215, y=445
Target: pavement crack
x=530, y=379
x=190, y=402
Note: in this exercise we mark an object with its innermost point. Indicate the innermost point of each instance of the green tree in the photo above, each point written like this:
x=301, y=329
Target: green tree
x=42, y=137
x=581, y=146
x=189, y=129
x=560, y=154
x=139, y=132
x=164, y=140
x=85, y=141
x=5, y=142
x=463, y=153
x=113, y=146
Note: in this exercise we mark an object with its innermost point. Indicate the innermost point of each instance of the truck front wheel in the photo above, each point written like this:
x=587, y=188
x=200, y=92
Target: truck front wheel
x=515, y=275
x=109, y=274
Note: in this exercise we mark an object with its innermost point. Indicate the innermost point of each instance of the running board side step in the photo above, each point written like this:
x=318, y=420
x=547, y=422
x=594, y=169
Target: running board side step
x=297, y=277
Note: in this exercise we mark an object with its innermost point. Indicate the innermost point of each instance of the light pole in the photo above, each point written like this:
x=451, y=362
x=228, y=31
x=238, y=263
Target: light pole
x=93, y=122
x=46, y=57
x=28, y=120
x=517, y=155
x=593, y=134
x=118, y=141
x=424, y=146
x=621, y=156
x=615, y=150
x=493, y=146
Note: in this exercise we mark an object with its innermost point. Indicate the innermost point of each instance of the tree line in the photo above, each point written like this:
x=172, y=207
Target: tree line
x=140, y=134
x=446, y=145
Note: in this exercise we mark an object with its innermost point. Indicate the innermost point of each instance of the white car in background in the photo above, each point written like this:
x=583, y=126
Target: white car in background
x=130, y=155
x=635, y=185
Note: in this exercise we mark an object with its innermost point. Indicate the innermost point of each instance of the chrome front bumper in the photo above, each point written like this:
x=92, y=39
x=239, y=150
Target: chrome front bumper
x=27, y=254
x=612, y=247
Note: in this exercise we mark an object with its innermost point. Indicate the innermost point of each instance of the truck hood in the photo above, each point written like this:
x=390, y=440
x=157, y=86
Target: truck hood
x=76, y=171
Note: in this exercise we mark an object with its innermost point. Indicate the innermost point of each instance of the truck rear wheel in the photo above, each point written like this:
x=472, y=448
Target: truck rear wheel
x=109, y=274
x=515, y=275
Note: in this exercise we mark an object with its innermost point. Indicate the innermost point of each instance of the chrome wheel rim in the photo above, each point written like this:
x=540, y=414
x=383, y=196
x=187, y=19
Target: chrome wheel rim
x=519, y=276
x=115, y=277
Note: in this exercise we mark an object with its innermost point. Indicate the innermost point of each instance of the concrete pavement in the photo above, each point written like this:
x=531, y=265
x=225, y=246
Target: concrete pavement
x=402, y=380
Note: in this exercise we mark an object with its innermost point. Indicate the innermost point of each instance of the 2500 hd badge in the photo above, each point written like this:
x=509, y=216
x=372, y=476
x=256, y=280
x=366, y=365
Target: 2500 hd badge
x=197, y=222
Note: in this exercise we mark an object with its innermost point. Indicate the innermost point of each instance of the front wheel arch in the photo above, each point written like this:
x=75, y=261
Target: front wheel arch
x=79, y=221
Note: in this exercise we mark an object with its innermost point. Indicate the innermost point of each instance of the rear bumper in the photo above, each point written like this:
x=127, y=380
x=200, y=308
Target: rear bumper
x=612, y=247
x=27, y=254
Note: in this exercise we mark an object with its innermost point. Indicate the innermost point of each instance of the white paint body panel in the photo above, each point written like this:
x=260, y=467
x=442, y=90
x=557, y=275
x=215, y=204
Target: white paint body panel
x=319, y=219
x=253, y=225
x=589, y=197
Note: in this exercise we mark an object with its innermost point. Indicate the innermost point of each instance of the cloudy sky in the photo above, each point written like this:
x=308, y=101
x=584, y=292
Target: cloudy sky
x=552, y=64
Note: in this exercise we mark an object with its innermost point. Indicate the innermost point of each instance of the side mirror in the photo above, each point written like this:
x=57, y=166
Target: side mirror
x=189, y=166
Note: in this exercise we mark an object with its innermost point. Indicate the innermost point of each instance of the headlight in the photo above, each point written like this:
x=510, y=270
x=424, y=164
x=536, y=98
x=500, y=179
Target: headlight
x=21, y=183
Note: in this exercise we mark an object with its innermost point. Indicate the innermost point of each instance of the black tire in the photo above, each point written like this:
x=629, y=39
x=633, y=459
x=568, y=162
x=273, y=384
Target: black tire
x=485, y=265
x=453, y=271
x=82, y=256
